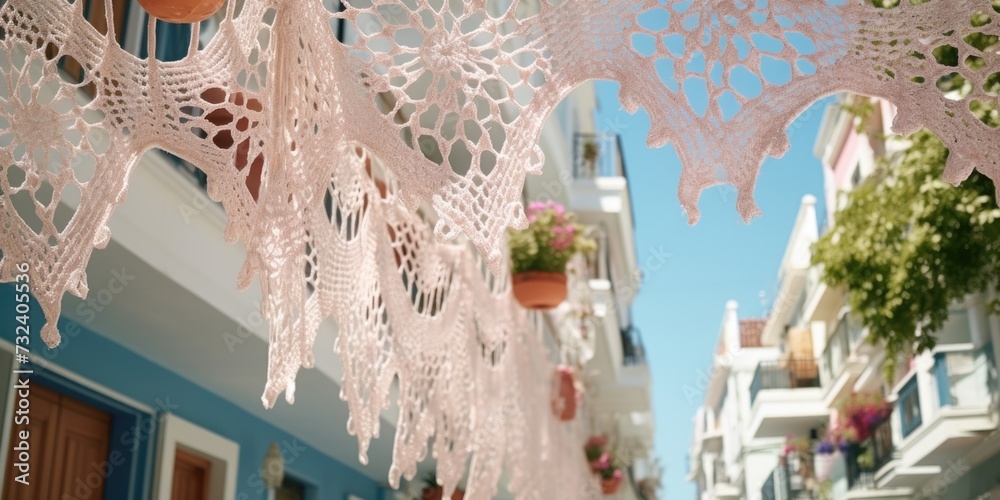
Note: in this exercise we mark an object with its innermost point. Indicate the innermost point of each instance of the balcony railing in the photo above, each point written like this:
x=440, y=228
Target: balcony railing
x=908, y=407
x=965, y=378
x=865, y=460
x=769, y=491
x=792, y=373
x=633, y=352
x=597, y=155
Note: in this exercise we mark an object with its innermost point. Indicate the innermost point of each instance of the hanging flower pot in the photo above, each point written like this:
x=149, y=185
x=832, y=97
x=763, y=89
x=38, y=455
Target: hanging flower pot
x=437, y=493
x=538, y=290
x=824, y=462
x=539, y=255
x=610, y=485
x=564, y=394
x=862, y=412
x=433, y=491
x=181, y=11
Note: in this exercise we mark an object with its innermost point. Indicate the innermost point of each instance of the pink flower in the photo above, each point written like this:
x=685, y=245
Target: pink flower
x=617, y=474
x=535, y=207
x=603, y=462
x=559, y=211
x=561, y=243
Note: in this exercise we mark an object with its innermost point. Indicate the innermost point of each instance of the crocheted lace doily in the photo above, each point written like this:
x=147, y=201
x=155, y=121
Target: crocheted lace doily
x=451, y=96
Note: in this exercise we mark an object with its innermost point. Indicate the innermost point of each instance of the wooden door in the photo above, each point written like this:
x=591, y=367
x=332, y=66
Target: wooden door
x=802, y=361
x=192, y=476
x=69, y=443
x=290, y=489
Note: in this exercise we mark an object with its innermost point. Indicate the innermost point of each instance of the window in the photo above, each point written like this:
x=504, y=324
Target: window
x=198, y=462
x=909, y=407
x=856, y=176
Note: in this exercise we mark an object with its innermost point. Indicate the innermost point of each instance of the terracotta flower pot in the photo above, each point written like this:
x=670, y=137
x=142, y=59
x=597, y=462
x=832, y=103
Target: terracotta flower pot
x=181, y=11
x=564, y=393
x=437, y=493
x=611, y=484
x=539, y=290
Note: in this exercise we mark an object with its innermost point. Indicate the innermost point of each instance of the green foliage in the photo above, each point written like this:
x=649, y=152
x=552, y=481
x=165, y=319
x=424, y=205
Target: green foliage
x=866, y=460
x=908, y=244
x=551, y=239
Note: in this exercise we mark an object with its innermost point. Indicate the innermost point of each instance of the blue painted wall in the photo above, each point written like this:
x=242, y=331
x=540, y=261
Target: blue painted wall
x=100, y=360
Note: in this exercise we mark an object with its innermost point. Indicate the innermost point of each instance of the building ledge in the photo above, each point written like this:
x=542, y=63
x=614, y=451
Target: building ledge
x=883, y=493
x=721, y=491
x=898, y=476
x=783, y=412
x=948, y=435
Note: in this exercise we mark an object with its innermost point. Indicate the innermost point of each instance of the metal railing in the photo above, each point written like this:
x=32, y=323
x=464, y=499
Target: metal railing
x=966, y=377
x=859, y=477
x=877, y=449
x=597, y=155
x=881, y=443
x=792, y=373
x=633, y=351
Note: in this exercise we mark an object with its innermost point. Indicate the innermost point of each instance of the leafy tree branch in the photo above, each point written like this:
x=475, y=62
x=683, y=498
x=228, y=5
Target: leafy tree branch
x=908, y=245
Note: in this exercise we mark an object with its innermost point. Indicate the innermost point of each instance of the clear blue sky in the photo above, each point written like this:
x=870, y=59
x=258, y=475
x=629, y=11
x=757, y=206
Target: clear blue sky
x=679, y=308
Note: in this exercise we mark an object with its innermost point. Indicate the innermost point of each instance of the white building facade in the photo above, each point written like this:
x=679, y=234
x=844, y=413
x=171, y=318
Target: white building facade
x=941, y=439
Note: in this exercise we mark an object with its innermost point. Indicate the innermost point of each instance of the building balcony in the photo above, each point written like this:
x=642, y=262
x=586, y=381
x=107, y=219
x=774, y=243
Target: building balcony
x=722, y=487
x=865, y=460
x=786, y=398
x=789, y=373
x=599, y=195
x=844, y=359
x=963, y=397
x=619, y=356
x=943, y=413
